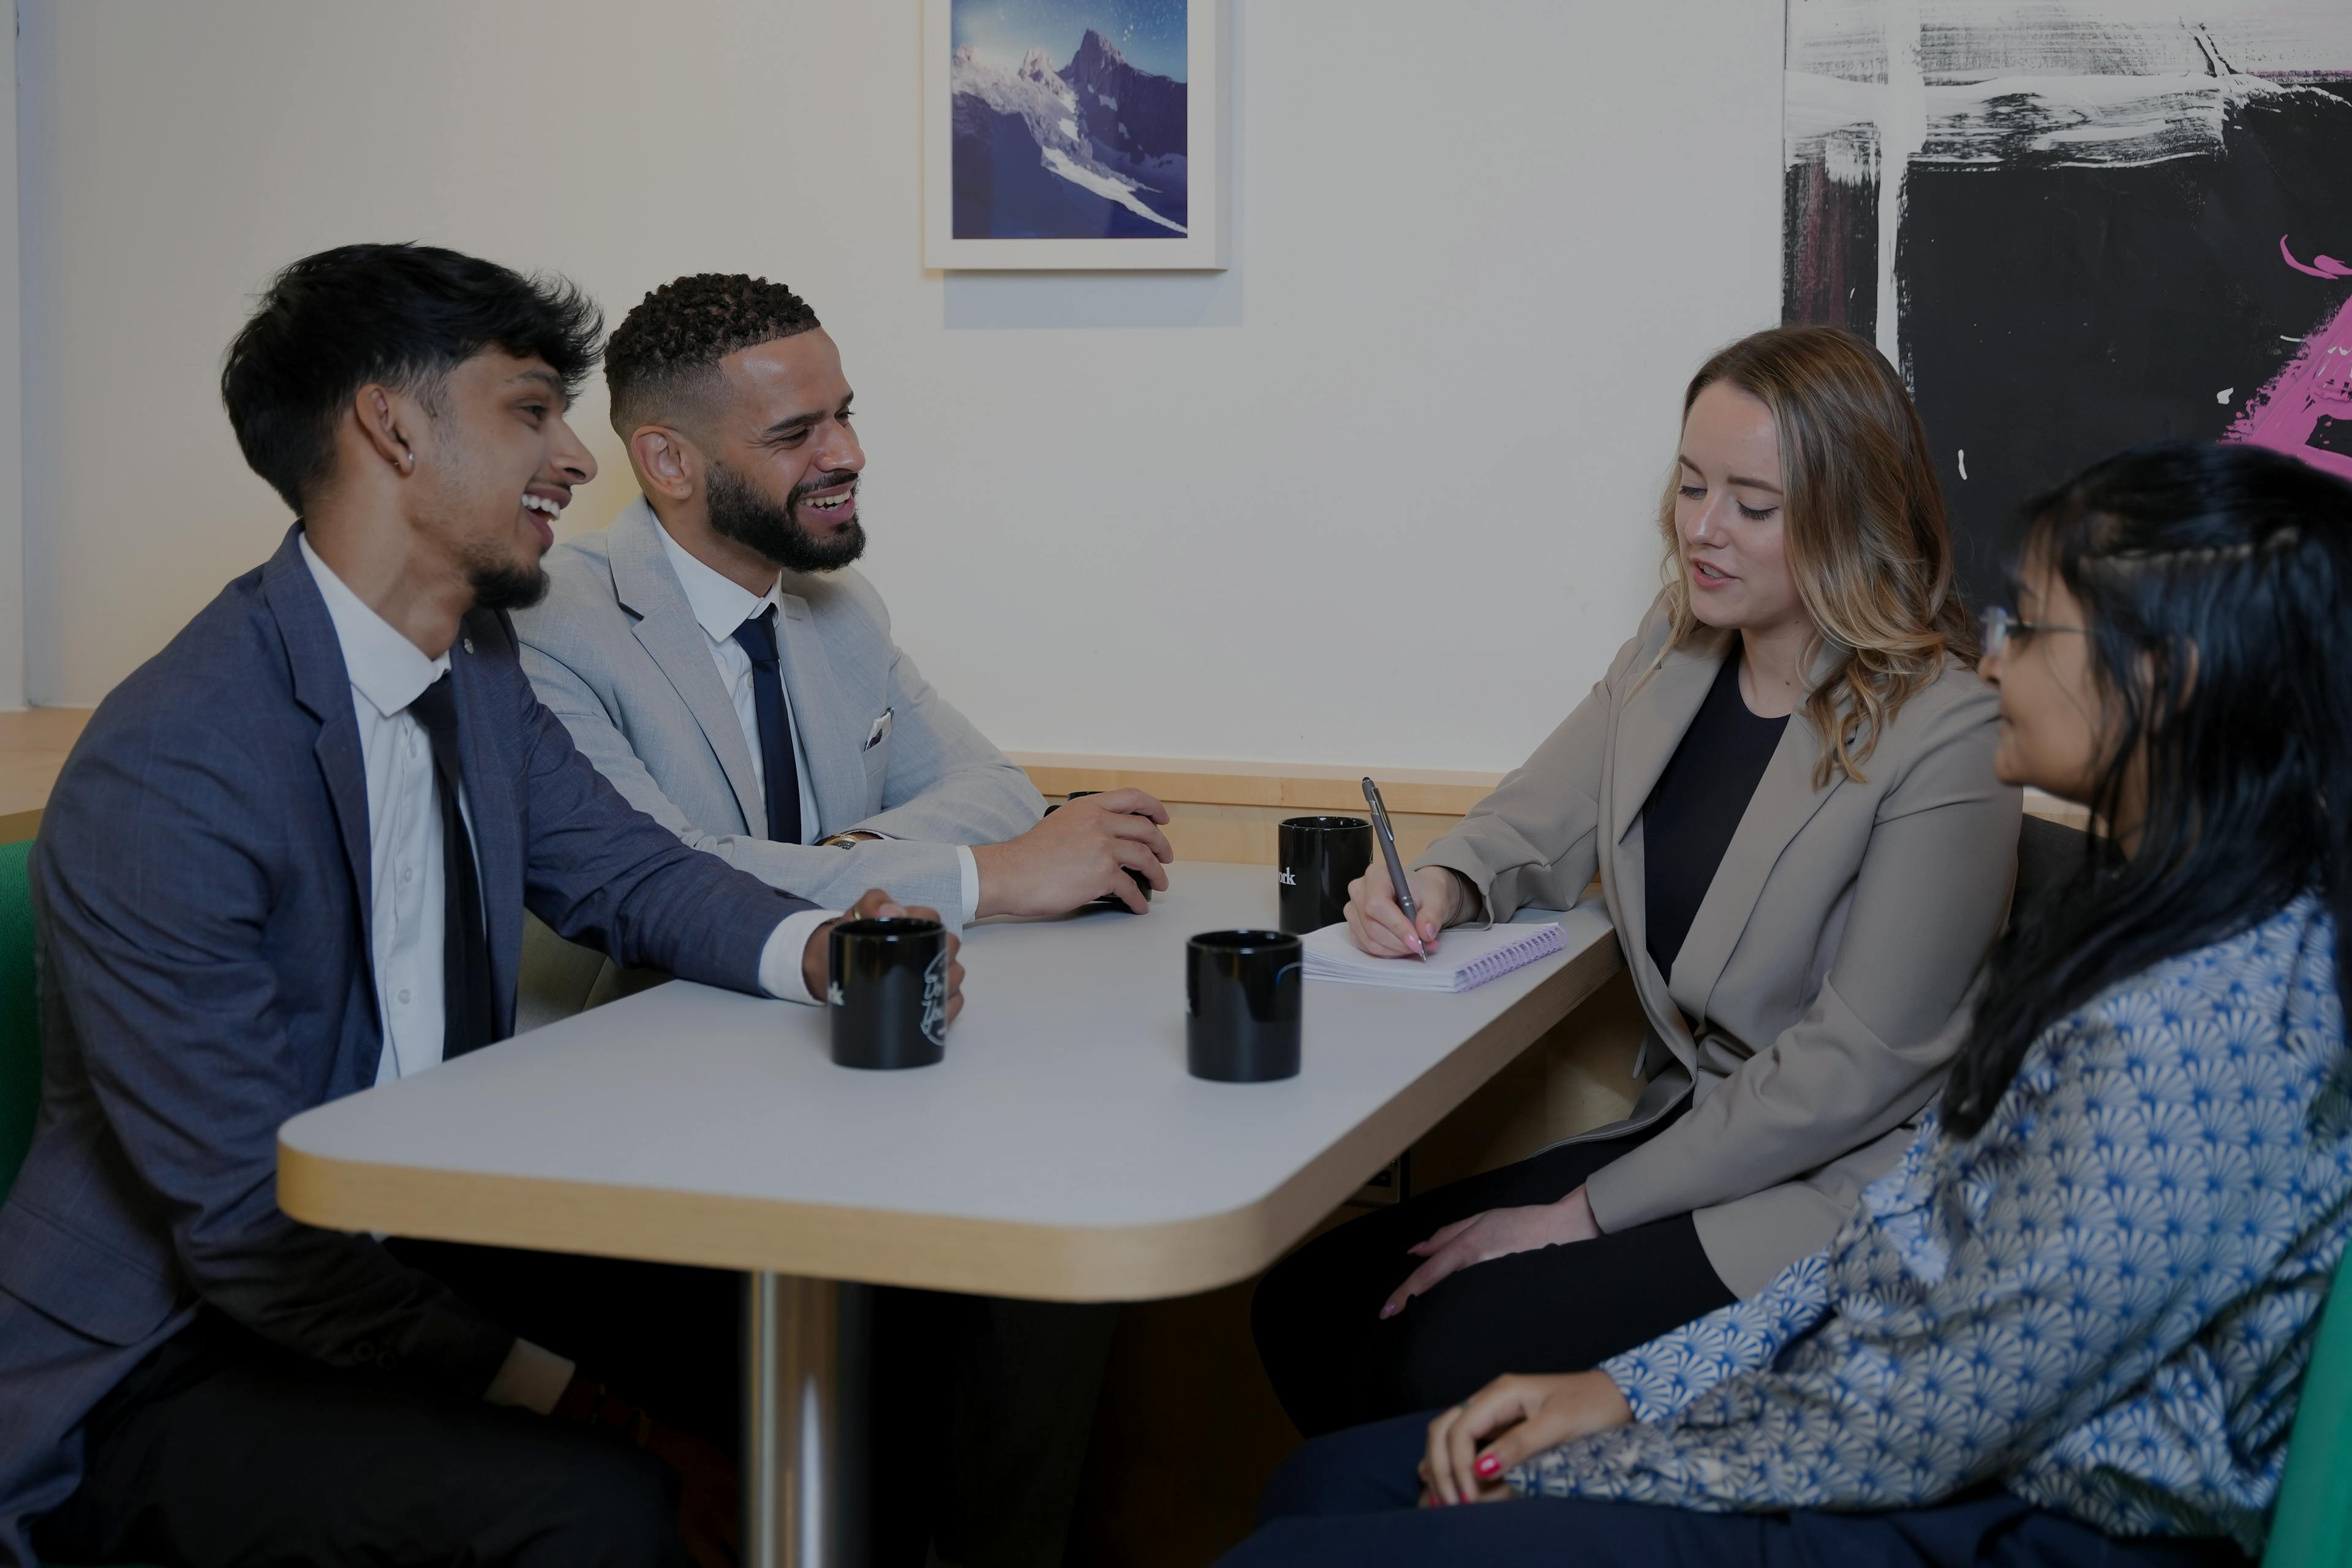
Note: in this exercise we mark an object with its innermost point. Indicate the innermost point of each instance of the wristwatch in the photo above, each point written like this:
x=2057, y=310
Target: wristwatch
x=848, y=840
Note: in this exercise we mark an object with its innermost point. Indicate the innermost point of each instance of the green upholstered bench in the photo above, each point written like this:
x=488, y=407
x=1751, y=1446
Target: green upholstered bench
x=2312, y=1525
x=20, y=1019
x=20, y=1022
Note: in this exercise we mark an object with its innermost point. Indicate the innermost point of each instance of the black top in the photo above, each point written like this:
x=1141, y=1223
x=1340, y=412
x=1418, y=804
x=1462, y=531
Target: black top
x=1690, y=817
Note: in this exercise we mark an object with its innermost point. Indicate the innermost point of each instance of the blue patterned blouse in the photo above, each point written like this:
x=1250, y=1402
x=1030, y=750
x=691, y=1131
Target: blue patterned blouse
x=2103, y=1301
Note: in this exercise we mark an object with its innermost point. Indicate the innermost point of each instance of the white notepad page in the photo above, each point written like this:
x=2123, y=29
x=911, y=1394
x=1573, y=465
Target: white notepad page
x=1464, y=957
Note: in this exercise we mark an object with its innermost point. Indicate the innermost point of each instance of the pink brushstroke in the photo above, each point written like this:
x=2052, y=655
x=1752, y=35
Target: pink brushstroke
x=2317, y=382
x=2321, y=266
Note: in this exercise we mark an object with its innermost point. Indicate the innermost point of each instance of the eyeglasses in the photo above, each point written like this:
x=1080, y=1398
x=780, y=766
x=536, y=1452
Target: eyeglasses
x=2001, y=629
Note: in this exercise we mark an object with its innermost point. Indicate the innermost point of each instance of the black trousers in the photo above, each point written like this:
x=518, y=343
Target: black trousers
x=997, y=1397
x=980, y=1416
x=1334, y=1363
x=222, y=1449
x=1349, y=1500
x=999, y=1394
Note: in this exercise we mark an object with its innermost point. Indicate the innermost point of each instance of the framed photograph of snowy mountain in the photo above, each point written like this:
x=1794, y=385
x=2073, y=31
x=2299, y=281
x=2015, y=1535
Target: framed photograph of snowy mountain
x=1074, y=134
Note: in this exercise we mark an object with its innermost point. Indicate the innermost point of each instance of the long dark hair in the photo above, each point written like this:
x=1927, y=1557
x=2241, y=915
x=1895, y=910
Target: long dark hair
x=2216, y=588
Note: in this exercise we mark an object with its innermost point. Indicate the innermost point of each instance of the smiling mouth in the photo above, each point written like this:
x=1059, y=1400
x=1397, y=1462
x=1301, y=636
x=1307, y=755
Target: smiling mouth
x=1709, y=575
x=834, y=504
x=543, y=511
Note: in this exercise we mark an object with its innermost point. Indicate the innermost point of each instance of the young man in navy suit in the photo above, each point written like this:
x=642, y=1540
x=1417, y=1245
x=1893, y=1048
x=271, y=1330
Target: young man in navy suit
x=290, y=859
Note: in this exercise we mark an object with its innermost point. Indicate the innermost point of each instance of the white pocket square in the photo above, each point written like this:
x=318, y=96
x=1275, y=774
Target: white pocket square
x=880, y=733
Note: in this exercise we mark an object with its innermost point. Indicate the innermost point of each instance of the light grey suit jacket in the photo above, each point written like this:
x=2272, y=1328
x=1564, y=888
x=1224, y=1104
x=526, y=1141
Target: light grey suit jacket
x=1820, y=992
x=614, y=652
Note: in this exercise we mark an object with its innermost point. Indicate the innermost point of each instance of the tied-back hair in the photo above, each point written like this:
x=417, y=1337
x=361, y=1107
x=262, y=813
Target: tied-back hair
x=1862, y=518
x=2214, y=582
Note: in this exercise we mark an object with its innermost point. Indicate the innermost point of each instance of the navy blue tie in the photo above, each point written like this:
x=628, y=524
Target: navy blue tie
x=468, y=1021
x=758, y=637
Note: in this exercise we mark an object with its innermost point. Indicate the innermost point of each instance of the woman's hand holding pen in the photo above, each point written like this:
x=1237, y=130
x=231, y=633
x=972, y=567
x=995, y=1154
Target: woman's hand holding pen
x=1376, y=922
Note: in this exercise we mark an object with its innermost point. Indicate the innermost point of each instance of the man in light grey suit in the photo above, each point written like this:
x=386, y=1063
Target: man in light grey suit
x=714, y=655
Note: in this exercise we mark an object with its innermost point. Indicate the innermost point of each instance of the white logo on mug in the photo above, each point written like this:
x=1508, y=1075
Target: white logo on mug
x=1289, y=878
x=935, y=999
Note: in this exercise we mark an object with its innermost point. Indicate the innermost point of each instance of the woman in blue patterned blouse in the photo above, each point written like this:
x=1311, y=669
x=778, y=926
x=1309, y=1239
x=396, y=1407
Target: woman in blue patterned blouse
x=2070, y=1325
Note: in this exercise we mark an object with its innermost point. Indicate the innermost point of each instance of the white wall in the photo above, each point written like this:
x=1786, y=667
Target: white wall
x=12, y=403
x=1480, y=248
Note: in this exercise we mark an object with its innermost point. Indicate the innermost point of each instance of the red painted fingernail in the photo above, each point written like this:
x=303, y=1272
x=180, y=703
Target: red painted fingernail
x=1488, y=1464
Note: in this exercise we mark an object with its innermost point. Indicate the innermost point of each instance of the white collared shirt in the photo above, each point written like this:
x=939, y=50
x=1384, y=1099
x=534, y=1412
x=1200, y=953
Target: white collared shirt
x=405, y=880
x=719, y=605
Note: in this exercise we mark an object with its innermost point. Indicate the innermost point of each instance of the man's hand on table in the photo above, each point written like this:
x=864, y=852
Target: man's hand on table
x=710, y=1487
x=1082, y=850
x=816, y=959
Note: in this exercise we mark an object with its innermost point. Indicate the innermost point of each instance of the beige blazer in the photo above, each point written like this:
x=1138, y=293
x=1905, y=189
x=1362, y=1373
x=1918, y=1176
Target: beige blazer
x=1818, y=995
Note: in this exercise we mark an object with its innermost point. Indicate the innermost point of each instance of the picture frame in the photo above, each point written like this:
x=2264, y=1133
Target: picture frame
x=1070, y=164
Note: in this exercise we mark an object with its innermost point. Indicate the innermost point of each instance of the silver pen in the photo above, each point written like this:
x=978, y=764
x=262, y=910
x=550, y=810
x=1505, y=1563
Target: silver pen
x=1387, y=836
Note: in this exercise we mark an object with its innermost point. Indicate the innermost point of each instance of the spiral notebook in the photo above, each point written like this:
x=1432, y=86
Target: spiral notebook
x=1464, y=958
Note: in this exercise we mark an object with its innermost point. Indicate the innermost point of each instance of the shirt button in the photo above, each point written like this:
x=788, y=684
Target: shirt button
x=403, y=997
x=408, y=873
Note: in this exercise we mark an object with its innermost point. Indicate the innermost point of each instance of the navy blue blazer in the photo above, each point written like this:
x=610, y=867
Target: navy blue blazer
x=201, y=887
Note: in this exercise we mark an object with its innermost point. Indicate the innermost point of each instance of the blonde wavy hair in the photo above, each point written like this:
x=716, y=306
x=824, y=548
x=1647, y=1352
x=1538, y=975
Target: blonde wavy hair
x=1863, y=517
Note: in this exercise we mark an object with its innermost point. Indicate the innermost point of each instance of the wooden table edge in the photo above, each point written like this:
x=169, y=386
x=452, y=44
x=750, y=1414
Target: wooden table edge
x=1000, y=1258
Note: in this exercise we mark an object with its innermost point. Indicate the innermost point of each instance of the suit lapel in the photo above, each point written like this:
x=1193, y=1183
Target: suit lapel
x=322, y=686
x=835, y=756
x=1784, y=801
x=649, y=589
x=485, y=762
x=1650, y=726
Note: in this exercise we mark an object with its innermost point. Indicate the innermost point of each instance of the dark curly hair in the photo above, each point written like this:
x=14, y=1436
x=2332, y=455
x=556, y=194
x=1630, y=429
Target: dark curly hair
x=403, y=315
x=678, y=334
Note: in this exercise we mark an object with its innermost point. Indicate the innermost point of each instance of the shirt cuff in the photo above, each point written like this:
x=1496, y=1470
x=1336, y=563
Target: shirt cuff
x=532, y=1377
x=971, y=864
x=780, y=960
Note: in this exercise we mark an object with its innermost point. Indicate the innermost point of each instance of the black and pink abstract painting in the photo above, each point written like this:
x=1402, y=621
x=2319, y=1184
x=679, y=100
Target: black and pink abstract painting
x=2075, y=225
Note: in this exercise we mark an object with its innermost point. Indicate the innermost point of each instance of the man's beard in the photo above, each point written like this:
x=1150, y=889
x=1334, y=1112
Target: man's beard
x=506, y=584
x=750, y=519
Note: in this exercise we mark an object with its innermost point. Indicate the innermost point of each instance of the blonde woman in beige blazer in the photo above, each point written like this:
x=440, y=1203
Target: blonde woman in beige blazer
x=1785, y=784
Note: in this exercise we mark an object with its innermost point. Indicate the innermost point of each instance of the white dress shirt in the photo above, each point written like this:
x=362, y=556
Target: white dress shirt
x=720, y=604
x=405, y=881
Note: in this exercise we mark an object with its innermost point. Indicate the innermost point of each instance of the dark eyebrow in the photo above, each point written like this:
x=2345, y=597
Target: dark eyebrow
x=786, y=426
x=803, y=421
x=548, y=379
x=1736, y=479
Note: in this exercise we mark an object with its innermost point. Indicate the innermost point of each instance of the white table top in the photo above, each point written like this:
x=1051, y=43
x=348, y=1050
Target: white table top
x=1060, y=1151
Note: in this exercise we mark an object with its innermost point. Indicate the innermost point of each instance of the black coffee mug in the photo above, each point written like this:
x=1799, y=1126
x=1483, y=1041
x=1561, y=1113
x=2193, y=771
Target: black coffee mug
x=1317, y=857
x=888, y=992
x=1242, y=995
